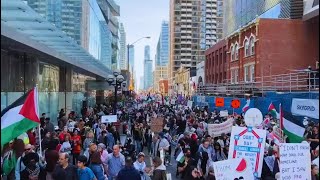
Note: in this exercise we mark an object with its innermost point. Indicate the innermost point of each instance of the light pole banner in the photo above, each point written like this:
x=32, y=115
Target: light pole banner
x=305, y=107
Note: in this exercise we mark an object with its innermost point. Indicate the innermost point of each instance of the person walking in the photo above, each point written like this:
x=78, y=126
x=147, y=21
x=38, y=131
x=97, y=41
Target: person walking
x=76, y=150
x=33, y=171
x=51, y=158
x=64, y=170
x=20, y=166
x=66, y=145
x=128, y=172
x=159, y=172
x=84, y=173
x=140, y=165
x=96, y=166
x=116, y=162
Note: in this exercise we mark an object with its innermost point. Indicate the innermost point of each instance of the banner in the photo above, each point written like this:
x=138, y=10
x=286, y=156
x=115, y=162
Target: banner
x=305, y=107
x=156, y=124
x=233, y=169
x=109, y=119
x=215, y=130
x=295, y=161
x=248, y=143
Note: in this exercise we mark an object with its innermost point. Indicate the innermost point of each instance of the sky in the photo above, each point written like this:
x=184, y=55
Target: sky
x=143, y=18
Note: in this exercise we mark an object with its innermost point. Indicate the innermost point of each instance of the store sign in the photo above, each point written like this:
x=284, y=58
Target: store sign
x=305, y=107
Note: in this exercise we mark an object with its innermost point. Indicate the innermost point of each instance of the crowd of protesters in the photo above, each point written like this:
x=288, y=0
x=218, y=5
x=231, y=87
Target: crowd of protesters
x=81, y=147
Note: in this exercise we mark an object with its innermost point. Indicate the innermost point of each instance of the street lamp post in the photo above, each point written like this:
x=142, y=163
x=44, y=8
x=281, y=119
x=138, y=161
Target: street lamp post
x=116, y=79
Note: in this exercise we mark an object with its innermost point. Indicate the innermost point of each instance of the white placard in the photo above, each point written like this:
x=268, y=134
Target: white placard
x=224, y=113
x=305, y=107
x=295, y=161
x=248, y=143
x=173, y=101
x=233, y=168
x=253, y=117
x=190, y=104
x=215, y=130
x=109, y=119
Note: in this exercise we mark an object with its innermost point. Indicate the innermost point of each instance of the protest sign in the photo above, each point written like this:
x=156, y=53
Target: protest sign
x=295, y=161
x=156, y=124
x=248, y=143
x=233, y=169
x=215, y=130
x=253, y=117
x=109, y=119
x=219, y=102
x=224, y=113
x=305, y=107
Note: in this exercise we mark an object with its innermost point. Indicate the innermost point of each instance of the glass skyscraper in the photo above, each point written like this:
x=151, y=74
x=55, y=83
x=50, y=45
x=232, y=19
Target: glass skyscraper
x=147, y=68
x=164, y=44
x=238, y=13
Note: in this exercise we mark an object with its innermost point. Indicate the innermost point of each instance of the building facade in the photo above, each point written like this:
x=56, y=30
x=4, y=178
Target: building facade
x=164, y=44
x=123, y=61
x=182, y=82
x=194, y=26
x=216, y=63
x=160, y=73
x=239, y=13
x=261, y=51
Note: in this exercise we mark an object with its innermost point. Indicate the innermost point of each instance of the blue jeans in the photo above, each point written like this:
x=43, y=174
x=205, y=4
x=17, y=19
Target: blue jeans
x=138, y=146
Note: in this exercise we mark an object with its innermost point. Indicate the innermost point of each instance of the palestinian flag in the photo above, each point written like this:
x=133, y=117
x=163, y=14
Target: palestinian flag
x=246, y=106
x=272, y=110
x=293, y=131
x=20, y=116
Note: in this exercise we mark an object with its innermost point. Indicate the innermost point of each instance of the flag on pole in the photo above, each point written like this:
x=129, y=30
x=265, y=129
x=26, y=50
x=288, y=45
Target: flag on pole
x=246, y=106
x=20, y=116
x=293, y=131
x=272, y=110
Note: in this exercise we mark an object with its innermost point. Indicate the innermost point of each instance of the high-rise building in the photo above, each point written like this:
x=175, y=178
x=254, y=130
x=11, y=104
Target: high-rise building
x=195, y=25
x=239, y=13
x=148, y=76
x=141, y=85
x=123, y=48
x=163, y=44
x=82, y=20
x=131, y=58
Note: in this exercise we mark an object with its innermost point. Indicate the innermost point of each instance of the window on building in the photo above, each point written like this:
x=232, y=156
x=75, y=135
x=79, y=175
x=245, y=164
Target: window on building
x=246, y=48
x=232, y=76
x=236, y=54
x=232, y=53
x=252, y=73
x=246, y=74
x=252, y=43
x=236, y=76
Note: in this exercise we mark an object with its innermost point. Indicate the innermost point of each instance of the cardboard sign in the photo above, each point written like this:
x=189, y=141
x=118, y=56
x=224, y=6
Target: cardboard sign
x=235, y=103
x=215, y=130
x=219, y=102
x=156, y=124
x=233, y=169
x=295, y=161
x=109, y=119
x=248, y=143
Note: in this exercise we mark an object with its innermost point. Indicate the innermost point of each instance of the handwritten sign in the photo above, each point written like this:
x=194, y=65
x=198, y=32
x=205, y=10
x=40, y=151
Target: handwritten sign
x=109, y=119
x=233, y=169
x=248, y=143
x=156, y=124
x=219, y=102
x=224, y=113
x=295, y=161
x=190, y=104
x=217, y=129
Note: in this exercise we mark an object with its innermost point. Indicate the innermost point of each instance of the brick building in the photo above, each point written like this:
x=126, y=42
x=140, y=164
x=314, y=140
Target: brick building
x=216, y=63
x=270, y=47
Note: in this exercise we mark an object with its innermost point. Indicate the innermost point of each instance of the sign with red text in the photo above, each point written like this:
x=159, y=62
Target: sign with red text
x=248, y=143
x=295, y=161
x=233, y=169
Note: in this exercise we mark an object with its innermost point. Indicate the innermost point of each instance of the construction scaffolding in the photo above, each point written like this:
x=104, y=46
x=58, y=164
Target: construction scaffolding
x=304, y=81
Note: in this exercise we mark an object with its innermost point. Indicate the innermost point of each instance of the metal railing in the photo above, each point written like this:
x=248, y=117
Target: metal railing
x=292, y=82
